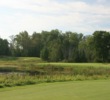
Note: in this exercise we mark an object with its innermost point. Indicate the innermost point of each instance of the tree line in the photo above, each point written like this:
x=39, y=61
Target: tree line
x=57, y=46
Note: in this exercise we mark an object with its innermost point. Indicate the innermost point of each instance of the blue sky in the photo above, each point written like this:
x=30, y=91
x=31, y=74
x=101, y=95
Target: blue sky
x=82, y=16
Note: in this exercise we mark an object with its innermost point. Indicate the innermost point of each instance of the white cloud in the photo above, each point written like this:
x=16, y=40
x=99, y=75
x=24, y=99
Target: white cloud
x=51, y=6
x=37, y=15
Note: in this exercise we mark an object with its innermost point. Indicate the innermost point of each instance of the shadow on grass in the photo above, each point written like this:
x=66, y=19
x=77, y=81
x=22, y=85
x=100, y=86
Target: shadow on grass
x=8, y=58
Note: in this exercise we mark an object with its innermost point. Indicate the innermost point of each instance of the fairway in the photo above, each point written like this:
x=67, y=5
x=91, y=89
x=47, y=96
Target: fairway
x=78, y=90
x=76, y=64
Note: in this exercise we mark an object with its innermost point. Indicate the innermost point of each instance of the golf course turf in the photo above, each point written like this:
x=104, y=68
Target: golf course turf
x=53, y=81
x=74, y=90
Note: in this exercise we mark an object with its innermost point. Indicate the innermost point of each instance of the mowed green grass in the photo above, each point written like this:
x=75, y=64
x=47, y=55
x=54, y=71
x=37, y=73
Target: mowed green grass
x=78, y=90
x=76, y=64
x=27, y=61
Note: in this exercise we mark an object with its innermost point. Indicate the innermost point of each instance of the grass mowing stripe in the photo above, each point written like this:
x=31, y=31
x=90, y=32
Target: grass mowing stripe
x=80, y=90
